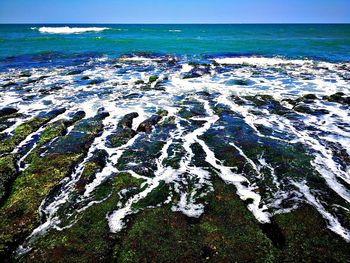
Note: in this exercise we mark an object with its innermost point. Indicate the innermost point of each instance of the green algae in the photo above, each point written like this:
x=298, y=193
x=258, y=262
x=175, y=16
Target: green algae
x=89, y=239
x=94, y=165
x=153, y=79
x=19, y=215
x=25, y=129
x=308, y=239
x=160, y=235
x=8, y=173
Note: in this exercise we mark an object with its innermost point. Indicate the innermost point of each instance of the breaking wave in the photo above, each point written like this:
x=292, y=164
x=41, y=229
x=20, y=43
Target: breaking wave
x=70, y=30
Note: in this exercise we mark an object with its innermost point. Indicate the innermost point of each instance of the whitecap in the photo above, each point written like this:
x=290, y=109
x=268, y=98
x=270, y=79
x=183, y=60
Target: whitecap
x=70, y=30
x=260, y=61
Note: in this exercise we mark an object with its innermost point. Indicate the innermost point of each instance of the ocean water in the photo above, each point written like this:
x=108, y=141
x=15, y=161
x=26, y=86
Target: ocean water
x=329, y=42
x=282, y=90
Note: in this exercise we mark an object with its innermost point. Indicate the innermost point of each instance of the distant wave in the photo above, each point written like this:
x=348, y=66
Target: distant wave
x=175, y=30
x=69, y=30
x=260, y=61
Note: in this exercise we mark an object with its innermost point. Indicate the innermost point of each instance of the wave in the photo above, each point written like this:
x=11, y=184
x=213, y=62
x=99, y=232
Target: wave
x=69, y=30
x=261, y=61
x=175, y=30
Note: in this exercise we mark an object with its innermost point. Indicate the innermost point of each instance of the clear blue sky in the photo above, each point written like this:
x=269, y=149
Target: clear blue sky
x=175, y=11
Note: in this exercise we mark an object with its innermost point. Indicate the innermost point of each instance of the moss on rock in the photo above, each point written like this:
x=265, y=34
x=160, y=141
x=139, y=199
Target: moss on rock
x=19, y=215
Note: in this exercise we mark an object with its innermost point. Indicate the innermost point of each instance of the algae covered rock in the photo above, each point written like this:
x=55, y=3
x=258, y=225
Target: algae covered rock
x=20, y=215
x=126, y=121
x=147, y=125
x=25, y=129
x=7, y=111
x=8, y=172
x=153, y=79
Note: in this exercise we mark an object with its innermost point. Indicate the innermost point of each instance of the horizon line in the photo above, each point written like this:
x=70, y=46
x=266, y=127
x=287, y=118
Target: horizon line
x=192, y=23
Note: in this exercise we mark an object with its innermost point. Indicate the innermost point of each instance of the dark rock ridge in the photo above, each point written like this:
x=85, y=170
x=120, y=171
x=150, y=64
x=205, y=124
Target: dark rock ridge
x=147, y=125
x=7, y=111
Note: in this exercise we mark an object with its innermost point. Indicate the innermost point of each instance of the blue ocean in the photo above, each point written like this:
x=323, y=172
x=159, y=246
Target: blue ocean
x=327, y=42
x=113, y=136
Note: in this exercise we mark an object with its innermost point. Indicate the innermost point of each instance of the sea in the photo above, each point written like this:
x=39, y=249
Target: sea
x=316, y=41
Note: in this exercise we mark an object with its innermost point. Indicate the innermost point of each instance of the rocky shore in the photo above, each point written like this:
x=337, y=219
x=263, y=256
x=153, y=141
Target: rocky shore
x=114, y=162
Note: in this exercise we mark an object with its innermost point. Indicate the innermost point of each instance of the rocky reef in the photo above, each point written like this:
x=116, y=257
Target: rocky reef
x=153, y=159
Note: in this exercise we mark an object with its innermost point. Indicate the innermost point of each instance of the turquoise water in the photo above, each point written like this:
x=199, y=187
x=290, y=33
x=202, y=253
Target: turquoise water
x=325, y=42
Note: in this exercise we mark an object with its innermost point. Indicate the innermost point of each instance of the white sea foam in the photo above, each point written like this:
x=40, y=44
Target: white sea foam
x=113, y=95
x=259, y=61
x=70, y=30
x=333, y=222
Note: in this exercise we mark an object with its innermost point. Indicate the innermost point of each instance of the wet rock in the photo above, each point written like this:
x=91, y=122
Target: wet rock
x=95, y=241
x=132, y=96
x=25, y=75
x=196, y=72
x=141, y=157
x=7, y=111
x=120, y=137
x=339, y=153
x=139, y=82
x=147, y=125
x=74, y=72
x=308, y=98
x=80, y=137
x=102, y=113
x=25, y=129
x=94, y=165
x=19, y=215
x=198, y=64
x=126, y=121
x=242, y=82
x=306, y=235
x=6, y=123
x=76, y=117
x=8, y=173
x=172, y=62
x=51, y=132
x=290, y=101
x=95, y=81
x=29, y=98
x=160, y=85
x=274, y=233
x=55, y=88
x=2, y=128
x=35, y=80
x=145, y=87
x=153, y=79
x=303, y=108
x=9, y=84
x=162, y=113
x=268, y=102
x=192, y=108
x=338, y=97
x=238, y=100
x=346, y=76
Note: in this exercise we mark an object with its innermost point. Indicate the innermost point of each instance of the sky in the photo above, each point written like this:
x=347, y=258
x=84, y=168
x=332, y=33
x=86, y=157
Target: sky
x=175, y=11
